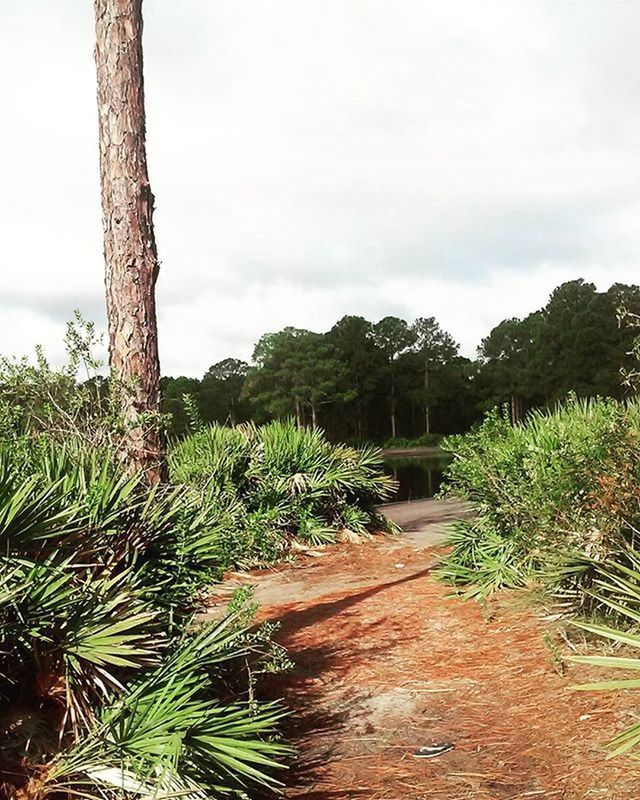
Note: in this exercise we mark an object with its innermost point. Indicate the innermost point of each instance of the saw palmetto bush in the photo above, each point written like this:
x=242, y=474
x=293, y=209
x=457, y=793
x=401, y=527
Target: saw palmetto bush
x=276, y=482
x=482, y=561
x=566, y=481
x=108, y=687
x=615, y=602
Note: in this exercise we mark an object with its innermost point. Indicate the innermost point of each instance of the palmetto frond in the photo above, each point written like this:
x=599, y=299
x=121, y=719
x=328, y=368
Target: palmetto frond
x=285, y=482
x=618, y=591
x=72, y=640
x=31, y=513
x=170, y=732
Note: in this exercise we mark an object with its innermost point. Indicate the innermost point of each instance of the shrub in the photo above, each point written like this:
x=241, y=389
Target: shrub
x=482, y=560
x=558, y=498
x=277, y=482
x=109, y=689
x=564, y=482
x=402, y=443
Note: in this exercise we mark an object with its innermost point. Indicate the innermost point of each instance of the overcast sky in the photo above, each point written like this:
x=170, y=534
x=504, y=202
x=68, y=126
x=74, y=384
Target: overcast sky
x=315, y=158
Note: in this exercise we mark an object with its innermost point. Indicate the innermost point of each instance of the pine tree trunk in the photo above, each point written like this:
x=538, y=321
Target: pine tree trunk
x=298, y=414
x=393, y=412
x=516, y=409
x=314, y=417
x=427, y=410
x=130, y=254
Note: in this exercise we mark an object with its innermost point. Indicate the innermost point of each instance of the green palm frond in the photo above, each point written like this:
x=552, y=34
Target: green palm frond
x=284, y=481
x=315, y=531
x=108, y=692
x=482, y=560
x=31, y=514
x=169, y=731
x=618, y=586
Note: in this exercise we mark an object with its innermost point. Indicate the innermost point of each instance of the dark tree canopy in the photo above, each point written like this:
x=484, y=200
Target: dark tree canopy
x=364, y=380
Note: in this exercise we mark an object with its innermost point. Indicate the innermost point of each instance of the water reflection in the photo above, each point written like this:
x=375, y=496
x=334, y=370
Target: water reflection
x=417, y=476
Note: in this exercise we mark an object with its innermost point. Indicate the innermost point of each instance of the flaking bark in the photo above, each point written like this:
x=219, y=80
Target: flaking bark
x=131, y=259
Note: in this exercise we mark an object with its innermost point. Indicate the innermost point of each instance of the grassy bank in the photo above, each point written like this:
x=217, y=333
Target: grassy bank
x=427, y=441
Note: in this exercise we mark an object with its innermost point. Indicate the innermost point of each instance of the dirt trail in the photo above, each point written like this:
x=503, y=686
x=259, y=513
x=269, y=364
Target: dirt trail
x=385, y=662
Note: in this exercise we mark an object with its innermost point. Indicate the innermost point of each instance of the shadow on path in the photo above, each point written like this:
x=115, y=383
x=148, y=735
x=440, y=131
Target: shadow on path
x=299, y=618
x=351, y=644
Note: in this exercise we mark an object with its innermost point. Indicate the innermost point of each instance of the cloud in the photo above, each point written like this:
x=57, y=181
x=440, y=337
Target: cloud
x=311, y=160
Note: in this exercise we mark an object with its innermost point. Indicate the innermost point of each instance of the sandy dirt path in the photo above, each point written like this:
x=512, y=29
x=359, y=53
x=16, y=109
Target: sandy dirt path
x=386, y=662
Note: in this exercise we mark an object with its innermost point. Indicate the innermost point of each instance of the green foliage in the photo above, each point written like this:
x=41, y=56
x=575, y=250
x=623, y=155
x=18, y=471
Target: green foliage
x=72, y=402
x=435, y=351
x=111, y=687
x=509, y=358
x=574, y=344
x=217, y=396
x=67, y=401
x=616, y=590
x=393, y=337
x=482, y=561
x=358, y=376
x=563, y=482
x=107, y=682
x=169, y=733
x=403, y=443
x=267, y=485
x=557, y=499
x=335, y=380
x=296, y=371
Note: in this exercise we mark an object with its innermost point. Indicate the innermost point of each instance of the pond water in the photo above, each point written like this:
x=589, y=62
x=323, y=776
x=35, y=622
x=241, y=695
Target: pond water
x=418, y=475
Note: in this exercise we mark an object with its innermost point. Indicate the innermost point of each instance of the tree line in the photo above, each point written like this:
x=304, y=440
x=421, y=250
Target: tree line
x=364, y=380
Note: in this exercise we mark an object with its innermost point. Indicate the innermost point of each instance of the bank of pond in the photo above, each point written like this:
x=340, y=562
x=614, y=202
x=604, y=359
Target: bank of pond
x=419, y=473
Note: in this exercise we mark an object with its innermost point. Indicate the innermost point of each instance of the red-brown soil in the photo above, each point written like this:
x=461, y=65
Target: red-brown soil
x=386, y=662
x=391, y=664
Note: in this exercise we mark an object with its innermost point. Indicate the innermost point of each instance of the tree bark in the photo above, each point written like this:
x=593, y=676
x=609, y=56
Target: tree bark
x=392, y=411
x=427, y=410
x=314, y=416
x=298, y=414
x=131, y=259
x=516, y=409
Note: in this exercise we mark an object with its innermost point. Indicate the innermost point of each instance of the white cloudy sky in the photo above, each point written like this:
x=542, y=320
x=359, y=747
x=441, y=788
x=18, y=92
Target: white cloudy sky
x=313, y=158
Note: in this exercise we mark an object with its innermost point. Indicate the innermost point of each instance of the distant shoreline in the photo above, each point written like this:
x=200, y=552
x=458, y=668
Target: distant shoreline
x=405, y=452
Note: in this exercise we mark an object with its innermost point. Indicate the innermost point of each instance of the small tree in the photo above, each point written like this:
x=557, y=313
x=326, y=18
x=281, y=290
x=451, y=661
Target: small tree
x=296, y=370
x=436, y=347
x=131, y=259
x=393, y=336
